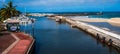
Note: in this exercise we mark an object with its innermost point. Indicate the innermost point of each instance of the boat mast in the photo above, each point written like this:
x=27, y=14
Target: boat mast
x=25, y=11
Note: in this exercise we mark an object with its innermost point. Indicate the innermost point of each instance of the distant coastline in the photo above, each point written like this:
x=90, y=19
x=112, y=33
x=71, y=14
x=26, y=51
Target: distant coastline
x=90, y=14
x=78, y=12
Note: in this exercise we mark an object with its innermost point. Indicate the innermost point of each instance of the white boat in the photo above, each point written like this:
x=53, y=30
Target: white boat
x=22, y=19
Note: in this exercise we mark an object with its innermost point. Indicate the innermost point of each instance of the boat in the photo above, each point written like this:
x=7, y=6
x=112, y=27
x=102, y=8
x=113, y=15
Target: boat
x=22, y=19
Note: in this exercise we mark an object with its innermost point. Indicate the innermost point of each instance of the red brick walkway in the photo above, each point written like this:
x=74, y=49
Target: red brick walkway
x=22, y=46
x=6, y=39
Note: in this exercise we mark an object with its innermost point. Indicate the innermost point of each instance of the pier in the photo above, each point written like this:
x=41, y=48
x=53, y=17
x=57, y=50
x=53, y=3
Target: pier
x=108, y=37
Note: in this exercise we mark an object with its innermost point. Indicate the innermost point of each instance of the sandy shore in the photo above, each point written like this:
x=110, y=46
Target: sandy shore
x=112, y=21
x=91, y=19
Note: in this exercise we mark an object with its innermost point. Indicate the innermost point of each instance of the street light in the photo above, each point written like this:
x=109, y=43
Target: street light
x=32, y=20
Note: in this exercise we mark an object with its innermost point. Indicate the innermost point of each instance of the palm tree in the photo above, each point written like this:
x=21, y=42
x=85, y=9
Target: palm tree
x=8, y=11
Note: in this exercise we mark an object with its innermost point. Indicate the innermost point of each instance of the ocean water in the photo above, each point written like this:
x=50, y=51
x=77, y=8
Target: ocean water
x=106, y=15
x=89, y=14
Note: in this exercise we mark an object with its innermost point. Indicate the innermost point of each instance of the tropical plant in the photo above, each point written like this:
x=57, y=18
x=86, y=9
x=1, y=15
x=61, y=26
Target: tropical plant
x=8, y=11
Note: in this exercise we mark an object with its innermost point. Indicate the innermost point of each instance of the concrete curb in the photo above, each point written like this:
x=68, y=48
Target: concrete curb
x=31, y=45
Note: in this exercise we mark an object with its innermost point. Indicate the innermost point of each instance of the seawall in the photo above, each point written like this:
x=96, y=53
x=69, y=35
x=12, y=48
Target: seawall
x=108, y=37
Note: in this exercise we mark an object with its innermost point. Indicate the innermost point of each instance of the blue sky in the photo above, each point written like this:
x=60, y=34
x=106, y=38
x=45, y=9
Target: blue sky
x=65, y=5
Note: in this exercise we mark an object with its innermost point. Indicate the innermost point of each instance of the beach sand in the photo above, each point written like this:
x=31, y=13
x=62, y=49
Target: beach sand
x=91, y=19
x=112, y=21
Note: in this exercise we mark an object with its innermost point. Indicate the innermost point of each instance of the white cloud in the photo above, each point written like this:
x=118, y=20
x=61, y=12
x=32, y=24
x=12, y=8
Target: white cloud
x=64, y=2
x=52, y=2
x=2, y=0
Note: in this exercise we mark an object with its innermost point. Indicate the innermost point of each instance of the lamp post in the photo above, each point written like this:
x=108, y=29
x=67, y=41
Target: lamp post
x=25, y=29
x=32, y=27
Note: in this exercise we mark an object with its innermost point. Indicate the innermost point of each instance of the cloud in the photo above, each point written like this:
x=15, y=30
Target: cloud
x=65, y=2
x=67, y=5
x=2, y=0
x=52, y=2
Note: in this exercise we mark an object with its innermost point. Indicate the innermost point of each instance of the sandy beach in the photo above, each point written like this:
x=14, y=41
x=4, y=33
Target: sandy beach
x=91, y=19
x=112, y=21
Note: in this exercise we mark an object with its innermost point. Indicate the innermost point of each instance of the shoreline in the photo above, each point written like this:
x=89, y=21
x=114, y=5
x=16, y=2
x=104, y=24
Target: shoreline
x=112, y=21
x=90, y=19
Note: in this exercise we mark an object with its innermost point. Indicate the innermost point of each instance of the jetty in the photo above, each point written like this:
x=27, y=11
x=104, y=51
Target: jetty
x=105, y=36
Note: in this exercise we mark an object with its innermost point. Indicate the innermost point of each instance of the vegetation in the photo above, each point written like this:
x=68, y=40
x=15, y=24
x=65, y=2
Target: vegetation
x=8, y=11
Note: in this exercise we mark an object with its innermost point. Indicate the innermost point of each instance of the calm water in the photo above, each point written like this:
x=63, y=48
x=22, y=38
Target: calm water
x=54, y=38
x=106, y=15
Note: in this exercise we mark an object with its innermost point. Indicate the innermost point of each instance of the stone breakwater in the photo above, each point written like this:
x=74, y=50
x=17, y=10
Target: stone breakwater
x=107, y=37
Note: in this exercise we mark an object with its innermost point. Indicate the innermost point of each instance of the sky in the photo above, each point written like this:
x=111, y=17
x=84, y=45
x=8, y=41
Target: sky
x=65, y=5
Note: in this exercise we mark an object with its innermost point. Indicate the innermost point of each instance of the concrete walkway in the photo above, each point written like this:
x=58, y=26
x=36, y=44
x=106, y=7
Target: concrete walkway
x=6, y=40
x=101, y=30
x=22, y=46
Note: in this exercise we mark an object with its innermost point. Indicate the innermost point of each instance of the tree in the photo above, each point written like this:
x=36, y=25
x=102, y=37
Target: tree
x=8, y=11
